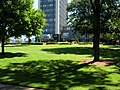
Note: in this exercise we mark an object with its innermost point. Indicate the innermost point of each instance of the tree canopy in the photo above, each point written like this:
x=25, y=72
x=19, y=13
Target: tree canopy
x=37, y=22
x=81, y=16
x=17, y=17
x=96, y=17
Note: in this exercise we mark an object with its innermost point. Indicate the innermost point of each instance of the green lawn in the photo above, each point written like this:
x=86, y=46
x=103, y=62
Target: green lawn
x=58, y=67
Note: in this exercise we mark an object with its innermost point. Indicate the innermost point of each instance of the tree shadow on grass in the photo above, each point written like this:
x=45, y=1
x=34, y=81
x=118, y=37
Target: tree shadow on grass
x=110, y=53
x=54, y=75
x=114, y=46
x=71, y=50
x=104, y=52
x=11, y=55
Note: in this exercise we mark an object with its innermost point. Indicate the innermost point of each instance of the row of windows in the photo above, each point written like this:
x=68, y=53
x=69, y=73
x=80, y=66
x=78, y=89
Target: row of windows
x=49, y=31
x=50, y=25
x=49, y=5
x=50, y=0
x=51, y=15
x=47, y=1
x=48, y=10
x=50, y=20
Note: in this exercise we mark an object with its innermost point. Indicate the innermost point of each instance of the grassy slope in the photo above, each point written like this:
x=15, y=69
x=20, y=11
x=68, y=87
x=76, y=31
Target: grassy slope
x=57, y=67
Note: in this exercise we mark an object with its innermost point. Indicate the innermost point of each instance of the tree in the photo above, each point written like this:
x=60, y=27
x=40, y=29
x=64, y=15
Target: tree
x=37, y=22
x=94, y=16
x=12, y=14
x=15, y=19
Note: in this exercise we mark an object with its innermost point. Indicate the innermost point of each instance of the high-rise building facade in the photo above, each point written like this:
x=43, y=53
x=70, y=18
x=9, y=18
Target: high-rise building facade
x=56, y=15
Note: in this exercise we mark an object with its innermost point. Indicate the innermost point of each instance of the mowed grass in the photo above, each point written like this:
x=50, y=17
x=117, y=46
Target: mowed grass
x=58, y=67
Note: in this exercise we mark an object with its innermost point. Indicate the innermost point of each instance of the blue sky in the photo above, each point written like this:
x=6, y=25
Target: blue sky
x=36, y=3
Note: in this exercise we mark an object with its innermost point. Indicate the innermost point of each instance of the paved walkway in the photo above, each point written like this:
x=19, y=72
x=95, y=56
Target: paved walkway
x=12, y=87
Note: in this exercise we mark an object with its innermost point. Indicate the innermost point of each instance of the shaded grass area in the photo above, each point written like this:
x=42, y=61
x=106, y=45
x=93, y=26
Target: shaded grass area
x=71, y=50
x=12, y=55
x=109, y=52
x=48, y=67
x=59, y=75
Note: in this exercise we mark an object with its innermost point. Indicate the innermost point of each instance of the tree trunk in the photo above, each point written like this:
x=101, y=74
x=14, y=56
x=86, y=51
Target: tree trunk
x=3, y=38
x=2, y=46
x=96, y=25
x=93, y=41
x=29, y=40
x=96, y=46
x=3, y=27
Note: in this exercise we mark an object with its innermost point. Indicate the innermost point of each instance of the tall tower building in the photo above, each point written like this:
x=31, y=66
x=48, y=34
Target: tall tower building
x=56, y=15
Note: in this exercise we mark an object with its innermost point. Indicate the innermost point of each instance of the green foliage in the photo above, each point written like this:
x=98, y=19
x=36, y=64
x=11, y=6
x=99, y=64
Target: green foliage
x=13, y=16
x=18, y=40
x=110, y=14
x=94, y=16
x=81, y=16
x=75, y=40
x=17, y=17
x=37, y=22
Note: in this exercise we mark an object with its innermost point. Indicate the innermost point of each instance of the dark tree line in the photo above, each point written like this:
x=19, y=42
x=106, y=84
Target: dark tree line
x=17, y=17
x=95, y=17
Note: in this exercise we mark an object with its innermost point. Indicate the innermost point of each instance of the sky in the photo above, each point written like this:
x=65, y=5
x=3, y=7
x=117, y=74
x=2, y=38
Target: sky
x=36, y=3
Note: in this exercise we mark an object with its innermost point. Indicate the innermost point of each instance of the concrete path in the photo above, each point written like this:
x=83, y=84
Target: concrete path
x=12, y=87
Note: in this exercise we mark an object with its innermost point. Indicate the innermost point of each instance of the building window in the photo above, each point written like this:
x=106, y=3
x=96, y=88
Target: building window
x=44, y=5
x=50, y=0
x=50, y=5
